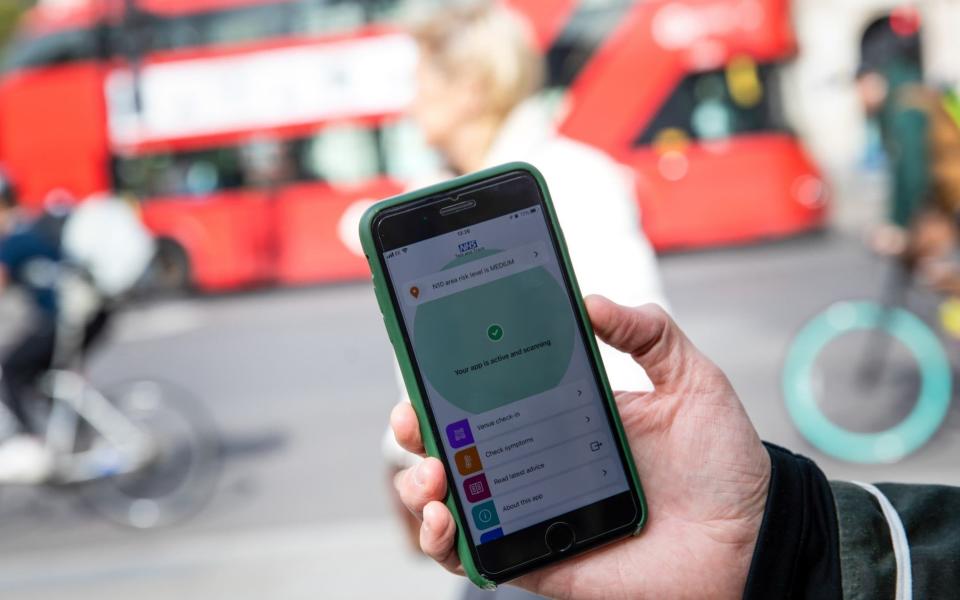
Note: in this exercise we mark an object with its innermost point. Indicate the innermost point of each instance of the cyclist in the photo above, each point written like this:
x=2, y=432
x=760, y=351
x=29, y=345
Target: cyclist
x=890, y=73
x=71, y=263
x=29, y=253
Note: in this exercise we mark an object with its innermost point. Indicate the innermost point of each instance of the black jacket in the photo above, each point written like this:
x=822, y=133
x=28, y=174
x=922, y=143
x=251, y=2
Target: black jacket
x=828, y=540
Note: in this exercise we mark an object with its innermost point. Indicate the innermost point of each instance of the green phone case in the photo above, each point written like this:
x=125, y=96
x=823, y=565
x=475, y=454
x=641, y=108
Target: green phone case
x=392, y=322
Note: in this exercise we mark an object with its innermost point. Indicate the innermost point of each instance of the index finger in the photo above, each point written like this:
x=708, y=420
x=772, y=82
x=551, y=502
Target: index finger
x=406, y=428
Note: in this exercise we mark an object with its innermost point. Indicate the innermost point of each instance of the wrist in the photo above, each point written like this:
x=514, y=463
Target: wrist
x=751, y=524
x=796, y=552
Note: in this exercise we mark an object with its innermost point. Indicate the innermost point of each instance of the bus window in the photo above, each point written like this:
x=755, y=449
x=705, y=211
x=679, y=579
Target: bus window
x=324, y=16
x=244, y=24
x=275, y=20
x=739, y=99
x=51, y=49
x=342, y=155
x=221, y=28
x=179, y=174
x=406, y=154
x=589, y=27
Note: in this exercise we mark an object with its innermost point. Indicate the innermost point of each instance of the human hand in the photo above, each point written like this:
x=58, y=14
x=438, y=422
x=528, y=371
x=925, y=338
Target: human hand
x=703, y=468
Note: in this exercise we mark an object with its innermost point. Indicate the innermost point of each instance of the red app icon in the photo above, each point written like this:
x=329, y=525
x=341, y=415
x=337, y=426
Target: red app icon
x=476, y=488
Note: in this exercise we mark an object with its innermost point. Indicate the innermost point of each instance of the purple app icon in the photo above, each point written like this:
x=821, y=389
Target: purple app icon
x=476, y=488
x=459, y=434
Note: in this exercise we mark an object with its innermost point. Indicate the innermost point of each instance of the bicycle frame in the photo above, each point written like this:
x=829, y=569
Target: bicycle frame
x=898, y=284
x=76, y=400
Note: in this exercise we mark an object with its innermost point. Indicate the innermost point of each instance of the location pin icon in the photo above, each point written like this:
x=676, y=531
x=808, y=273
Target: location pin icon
x=415, y=292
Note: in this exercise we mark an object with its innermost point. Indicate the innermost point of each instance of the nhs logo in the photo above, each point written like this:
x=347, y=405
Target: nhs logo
x=467, y=247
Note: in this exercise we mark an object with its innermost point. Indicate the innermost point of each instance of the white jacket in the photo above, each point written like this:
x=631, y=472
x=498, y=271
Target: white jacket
x=595, y=203
x=596, y=206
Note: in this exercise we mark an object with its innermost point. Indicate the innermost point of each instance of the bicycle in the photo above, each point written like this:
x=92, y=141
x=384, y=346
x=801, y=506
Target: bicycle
x=143, y=453
x=883, y=326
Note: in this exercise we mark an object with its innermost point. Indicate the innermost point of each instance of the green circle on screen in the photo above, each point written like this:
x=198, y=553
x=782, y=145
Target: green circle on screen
x=496, y=343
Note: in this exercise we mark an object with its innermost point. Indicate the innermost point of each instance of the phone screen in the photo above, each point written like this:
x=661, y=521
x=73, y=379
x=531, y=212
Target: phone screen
x=506, y=370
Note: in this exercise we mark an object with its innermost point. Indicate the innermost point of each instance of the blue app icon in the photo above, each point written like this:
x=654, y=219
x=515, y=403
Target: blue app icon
x=489, y=536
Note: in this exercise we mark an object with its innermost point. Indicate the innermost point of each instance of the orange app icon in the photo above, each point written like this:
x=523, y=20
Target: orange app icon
x=468, y=460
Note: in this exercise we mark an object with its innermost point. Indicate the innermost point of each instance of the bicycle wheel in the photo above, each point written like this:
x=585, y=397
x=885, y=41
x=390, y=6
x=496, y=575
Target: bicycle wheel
x=184, y=473
x=885, y=326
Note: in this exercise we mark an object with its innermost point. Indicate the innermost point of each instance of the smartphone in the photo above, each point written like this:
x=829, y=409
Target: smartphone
x=483, y=310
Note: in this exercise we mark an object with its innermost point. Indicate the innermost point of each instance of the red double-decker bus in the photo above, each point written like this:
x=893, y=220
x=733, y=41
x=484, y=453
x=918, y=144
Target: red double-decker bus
x=255, y=132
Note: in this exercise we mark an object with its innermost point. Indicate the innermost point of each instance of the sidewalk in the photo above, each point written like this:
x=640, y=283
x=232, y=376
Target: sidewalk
x=350, y=560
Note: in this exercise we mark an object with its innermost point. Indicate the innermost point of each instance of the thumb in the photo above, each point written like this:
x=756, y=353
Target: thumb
x=649, y=335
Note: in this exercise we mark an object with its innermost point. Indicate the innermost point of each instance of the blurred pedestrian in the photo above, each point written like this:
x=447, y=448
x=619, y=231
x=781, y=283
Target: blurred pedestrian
x=889, y=75
x=933, y=235
x=478, y=103
x=920, y=127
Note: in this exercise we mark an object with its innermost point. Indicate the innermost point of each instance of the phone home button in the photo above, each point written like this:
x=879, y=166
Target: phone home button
x=559, y=537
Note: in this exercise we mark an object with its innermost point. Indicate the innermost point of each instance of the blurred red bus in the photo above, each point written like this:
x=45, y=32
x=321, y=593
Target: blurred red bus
x=256, y=131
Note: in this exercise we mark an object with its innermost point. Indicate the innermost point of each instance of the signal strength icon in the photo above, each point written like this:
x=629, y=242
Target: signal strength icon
x=404, y=250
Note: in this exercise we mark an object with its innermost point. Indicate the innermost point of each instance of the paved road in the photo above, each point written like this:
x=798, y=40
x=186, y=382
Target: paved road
x=300, y=382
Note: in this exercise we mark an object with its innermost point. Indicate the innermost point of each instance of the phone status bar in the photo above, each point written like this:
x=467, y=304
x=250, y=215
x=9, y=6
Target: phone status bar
x=523, y=213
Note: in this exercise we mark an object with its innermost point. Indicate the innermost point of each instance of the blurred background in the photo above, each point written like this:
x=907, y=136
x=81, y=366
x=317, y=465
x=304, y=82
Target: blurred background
x=251, y=134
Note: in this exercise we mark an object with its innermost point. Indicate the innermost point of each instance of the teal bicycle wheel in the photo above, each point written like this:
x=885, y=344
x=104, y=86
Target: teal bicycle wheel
x=891, y=444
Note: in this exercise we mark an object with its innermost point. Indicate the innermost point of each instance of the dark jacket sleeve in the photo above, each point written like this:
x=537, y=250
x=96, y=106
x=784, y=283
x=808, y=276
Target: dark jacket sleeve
x=823, y=539
x=797, y=552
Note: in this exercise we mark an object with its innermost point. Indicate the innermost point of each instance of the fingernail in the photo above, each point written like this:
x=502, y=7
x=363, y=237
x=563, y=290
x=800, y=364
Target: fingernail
x=418, y=474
